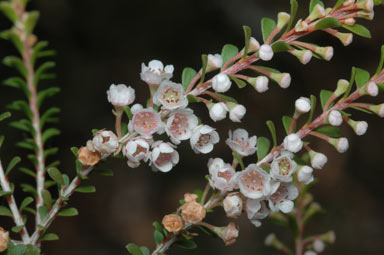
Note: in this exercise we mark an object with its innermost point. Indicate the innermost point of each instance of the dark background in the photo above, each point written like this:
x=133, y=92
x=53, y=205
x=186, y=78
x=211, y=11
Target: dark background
x=104, y=42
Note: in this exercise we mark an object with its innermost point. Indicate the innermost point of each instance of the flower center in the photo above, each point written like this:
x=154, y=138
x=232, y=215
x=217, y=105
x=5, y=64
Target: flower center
x=227, y=175
x=280, y=194
x=204, y=140
x=163, y=158
x=146, y=121
x=243, y=143
x=139, y=150
x=179, y=124
x=171, y=97
x=253, y=181
x=284, y=166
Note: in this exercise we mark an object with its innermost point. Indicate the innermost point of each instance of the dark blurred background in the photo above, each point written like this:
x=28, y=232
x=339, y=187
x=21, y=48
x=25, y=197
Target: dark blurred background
x=104, y=42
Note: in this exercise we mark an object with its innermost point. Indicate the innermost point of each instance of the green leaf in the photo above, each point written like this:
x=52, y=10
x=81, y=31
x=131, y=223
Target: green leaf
x=263, y=146
x=186, y=244
x=42, y=95
x=4, y=211
x=27, y=201
x=47, y=116
x=313, y=107
x=16, y=62
x=22, y=249
x=27, y=171
x=272, y=129
x=42, y=69
x=338, y=4
x=361, y=109
x=28, y=188
x=56, y=175
x=239, y=83
x=287, y=123
x=86, y=189
x=157, y=226
x=247, y=37
x=75, y=151
x=50, y=151
x=7, y=9
x=21, y=105
x=49, y=133
x=144, y=250
x=4, y=193
x=267, y=26
x=47, y=198
x=193, y=99
x=329, y=22
x=134, y=249
x=17, y=229
x=68, y=212
x=227, y=98
x=329, y=131
x=280, y=46
x=49, y=237
x=204, y=60
x=228, y=52
x=43, y=211
x=31, y=21
x=5, y=115
x=358, y=29
x=105, y=172
x=269, y=69
x=238, y=159
x=24, y=125
x=128, y=112
x=12, y=164
x=313, y=3
x=158, y=236
x=14, y=38
x=1, y=140
x=66, y=179
x=351, y=81
x=293, y=225
x=199, y=194
x=362, y=76
x=380, y=66
x=19, y=83
x=324, y=96
x=294, y=6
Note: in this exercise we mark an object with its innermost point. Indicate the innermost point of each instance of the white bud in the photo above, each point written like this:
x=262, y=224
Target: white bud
x=342, y=145
x=254, y=45
x=221, y=83
x=237, y=113
x=214, y=62
x=372, y=89
x=266, y=52
x=135, y=108
x=318, y=160
x=307, y=56
x=304, y=174
x=261, y=84
x=335, y=118
x=381, y=111
x=218, y=111
x=303, y=105
x=233, y=205
x=310, y=253
x=293, y=143
x=318, y=245
x=121, y=95
x=301, y=26
x=361, y=127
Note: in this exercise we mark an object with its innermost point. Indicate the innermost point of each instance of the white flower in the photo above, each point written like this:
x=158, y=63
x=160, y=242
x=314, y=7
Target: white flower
x=233, y=205
x=105, y=142
x=265, y=52
x=361, y=127
x=203, y=138
x=256, y=210
x=372, y=89
x=304, y=174
x=170, y=95
x=282, y=168
x=342, y=145
x=241, y=143
x=303, y=105
x=318, y=245
x=221, y=83
x=261, y=84
x=155, y=72
x=254, y=182
x=281, y=199
x=310, y=253
x=237, y=112
x=135, y=108
x=146, y=122
x=164, y=156
x=218, y=111
x=222, y=175
x=121, y=95
x=335, y=118
x=214, y=62
x=180, y=125
x=135, y=150
x=293, y=143
x=318, y=160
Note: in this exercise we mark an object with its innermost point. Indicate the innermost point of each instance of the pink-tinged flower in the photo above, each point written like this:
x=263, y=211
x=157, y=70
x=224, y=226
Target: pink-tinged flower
x=105, y=142
x=228, y=233
x=281, y=198
x=282, y=168
x=155, y=73
x=256, y=211
x=163, y=156
x=146, y=122
x=136, y=150
x=203, y=138
x=4, y=239
x=180, y=125
x=121, y=95
x=233, y=205
x=222, y=175
x=254, y=182
x=241, y=143
x=171, y=96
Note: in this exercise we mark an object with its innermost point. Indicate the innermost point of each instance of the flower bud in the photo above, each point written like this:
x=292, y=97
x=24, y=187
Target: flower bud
x=304, y=56
x=233, y=205
x=378, y=109
x=366, y=5
x=221, y=83
x=135, y=108
x=372, y=89
x=214, y=62
x=309, y=252
x=301, y=26
x=345, y=38
x=340, y=144
x=172, y=223
x=283, y=79
x=317, y=12
x=360, y=127
x=272, y=241
x=325, y=52
x=366, y=15
x=228, y=233
x=105, y=142
x=293, y=143
x=254, y=45
x=260, y=83
x=318, y=160
x=335, y=118
x=328, y=237
x=318, y=245
x=348, y=2
x=4, y=239
x=303, y=105
x=342, y=86
x=282, y=19
x=217, y=111
x=265, y=52
x=121, y=95
x=189, y=197
x=305, y=175
x=350, y=21
x=87, y=157
x=193, y=212
x=236, y=111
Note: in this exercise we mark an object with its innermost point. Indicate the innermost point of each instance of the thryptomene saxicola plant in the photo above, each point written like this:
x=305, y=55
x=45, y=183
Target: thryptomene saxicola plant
x=274, y=186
